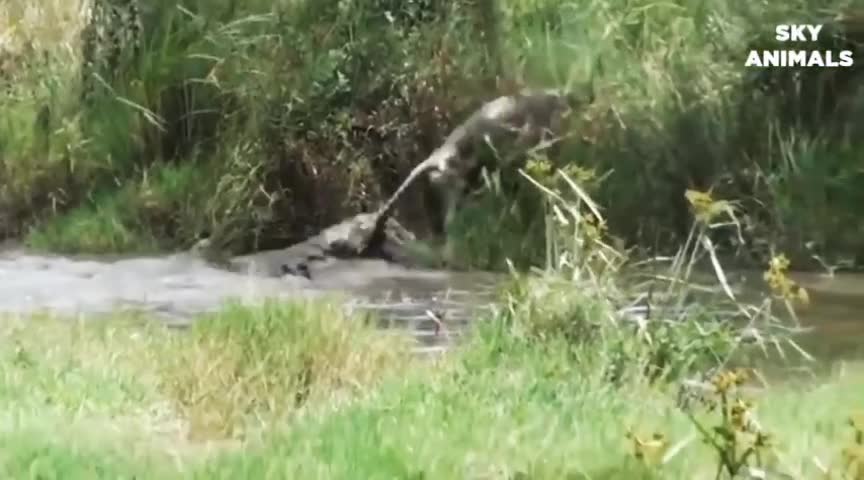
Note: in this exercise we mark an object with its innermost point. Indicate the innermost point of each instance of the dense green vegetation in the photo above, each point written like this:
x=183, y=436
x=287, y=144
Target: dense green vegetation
x=261, y=122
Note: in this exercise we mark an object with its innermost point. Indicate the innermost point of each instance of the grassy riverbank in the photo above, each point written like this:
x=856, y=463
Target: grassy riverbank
x=554, y=383
x=122, y=400
x=261, y=122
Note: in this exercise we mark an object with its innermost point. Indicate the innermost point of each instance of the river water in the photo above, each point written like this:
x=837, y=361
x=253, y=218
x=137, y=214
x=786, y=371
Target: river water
x=178, y=287
x=835, y=315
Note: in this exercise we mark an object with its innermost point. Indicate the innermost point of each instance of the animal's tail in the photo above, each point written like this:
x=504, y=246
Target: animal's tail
x=384, y=212
x=431, y=162
x=385, y=209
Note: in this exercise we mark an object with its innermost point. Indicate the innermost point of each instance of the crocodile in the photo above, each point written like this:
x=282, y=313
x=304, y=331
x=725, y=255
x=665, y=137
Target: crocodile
x=351, y=238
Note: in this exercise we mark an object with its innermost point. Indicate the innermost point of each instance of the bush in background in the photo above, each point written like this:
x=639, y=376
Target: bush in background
x=262, y=122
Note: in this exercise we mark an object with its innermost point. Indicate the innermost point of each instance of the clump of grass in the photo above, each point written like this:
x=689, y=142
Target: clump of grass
x=66, y=365
x=853, y=453
x=99, y=229
x=245, y=366
x=505, y=407
x=137, y=393
x=585, y=295
x=141, y=217
x=738, y=439
x=80, y=398
x=745, y=444
x=573, y=308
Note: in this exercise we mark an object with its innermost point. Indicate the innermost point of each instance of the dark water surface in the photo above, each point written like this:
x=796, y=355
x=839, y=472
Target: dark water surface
x=178, y=287
x=835, y=316
x=832, y=325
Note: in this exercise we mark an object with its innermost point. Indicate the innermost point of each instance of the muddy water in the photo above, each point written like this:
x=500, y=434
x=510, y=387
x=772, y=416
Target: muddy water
x=835, y=314
x=832, y=325
x=176, y=288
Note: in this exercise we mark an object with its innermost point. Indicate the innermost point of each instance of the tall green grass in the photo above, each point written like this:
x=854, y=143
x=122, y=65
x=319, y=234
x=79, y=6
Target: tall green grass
x=90, y=405
x=287, y=116
x=232, y=374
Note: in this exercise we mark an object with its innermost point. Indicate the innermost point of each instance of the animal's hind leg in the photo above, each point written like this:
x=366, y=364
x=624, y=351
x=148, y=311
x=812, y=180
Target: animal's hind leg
x=450, y=188
x=453, y=196
x=435, y=204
